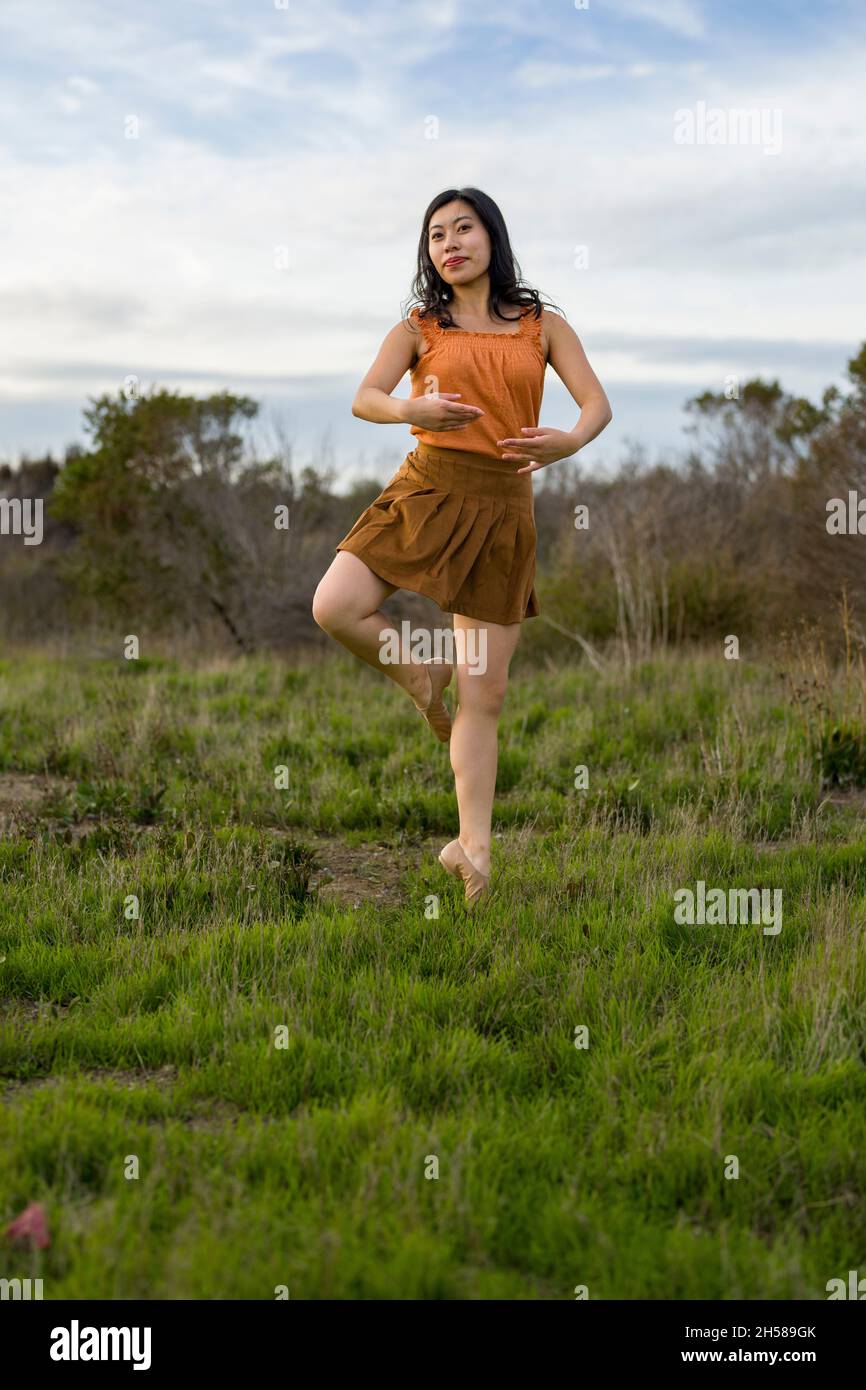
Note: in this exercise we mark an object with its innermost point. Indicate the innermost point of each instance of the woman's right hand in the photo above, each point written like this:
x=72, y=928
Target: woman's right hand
x=441, y=412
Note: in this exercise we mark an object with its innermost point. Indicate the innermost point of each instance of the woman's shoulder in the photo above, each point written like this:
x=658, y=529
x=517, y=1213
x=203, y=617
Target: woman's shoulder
x=536, y=325
x=423, y=324
x=544, y=316
x=420, y=317
x=550, y=323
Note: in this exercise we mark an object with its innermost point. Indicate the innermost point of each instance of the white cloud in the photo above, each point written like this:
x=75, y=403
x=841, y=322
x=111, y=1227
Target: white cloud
x=82, y=84
x=683, y=17
x=157, y=255
x=539, y=73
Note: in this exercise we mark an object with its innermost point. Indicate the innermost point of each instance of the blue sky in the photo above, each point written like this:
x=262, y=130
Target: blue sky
x=259, y=234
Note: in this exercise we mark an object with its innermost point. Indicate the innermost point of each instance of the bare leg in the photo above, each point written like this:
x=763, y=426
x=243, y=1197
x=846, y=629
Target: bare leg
x=346, y=606
x=474, y=737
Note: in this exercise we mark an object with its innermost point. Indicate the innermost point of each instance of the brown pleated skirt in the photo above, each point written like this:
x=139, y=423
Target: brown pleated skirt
x=458, y=527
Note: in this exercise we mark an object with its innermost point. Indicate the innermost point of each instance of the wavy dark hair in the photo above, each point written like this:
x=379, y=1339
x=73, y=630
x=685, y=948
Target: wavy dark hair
x=432, y=293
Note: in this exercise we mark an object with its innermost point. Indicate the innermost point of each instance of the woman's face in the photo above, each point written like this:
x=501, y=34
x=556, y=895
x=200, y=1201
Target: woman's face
x=457, y=235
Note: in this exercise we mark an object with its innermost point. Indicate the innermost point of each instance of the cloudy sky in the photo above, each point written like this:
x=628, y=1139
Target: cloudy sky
x=227, y=194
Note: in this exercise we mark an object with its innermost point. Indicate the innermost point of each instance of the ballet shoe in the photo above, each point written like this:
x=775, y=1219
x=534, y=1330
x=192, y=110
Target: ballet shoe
x=455, y=861
x=435, y=711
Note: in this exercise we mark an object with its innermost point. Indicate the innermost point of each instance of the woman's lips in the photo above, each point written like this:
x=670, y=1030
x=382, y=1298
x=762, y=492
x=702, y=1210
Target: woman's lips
x=457, y=260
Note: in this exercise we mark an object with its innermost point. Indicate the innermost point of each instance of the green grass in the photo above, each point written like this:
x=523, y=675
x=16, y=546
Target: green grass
x=416, y=1030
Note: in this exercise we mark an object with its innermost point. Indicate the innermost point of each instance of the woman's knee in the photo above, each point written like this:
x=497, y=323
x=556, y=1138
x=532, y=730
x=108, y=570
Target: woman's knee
x=327, y=611
x=486, y=693
x=347, y=593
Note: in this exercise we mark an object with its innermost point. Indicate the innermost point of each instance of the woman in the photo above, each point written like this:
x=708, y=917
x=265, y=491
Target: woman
x=456, y=522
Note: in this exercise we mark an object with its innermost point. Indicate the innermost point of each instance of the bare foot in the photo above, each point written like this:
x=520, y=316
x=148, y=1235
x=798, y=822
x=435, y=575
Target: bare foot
x=416, y=683
x=479, y=855
x=426, y=683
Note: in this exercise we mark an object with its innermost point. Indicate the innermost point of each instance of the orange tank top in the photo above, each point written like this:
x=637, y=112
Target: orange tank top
x=503, y=373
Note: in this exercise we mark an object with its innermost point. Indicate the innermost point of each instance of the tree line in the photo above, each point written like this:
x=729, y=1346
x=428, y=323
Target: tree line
x=170, y=522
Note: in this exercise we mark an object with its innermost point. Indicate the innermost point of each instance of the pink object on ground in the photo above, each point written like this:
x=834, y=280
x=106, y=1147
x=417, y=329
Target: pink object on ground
x=31, y=1225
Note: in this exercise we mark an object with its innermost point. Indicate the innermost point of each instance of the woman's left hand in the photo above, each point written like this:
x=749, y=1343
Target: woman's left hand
x=539, y=447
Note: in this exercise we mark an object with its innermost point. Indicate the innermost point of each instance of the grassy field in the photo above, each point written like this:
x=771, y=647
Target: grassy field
x=316, y=916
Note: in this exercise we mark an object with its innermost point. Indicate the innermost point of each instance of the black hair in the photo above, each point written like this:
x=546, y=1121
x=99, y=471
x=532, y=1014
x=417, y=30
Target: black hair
x=506, y=282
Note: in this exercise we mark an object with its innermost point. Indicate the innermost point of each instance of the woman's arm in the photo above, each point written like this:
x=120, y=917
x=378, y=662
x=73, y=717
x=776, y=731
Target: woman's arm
x=569, y=361
x=373, y=400
x=438, y=410
x=540, y=446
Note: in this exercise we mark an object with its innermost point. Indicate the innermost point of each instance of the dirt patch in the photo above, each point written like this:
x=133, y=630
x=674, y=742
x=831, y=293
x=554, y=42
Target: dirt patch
x=22, y=795
x=22, y=789
x=214, y=1116
x=31, y=1010
x=207, y=1115
x=371, y=872
x=849, y=799
x=25, y=791
x=352, y=874
x=131, y=1080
